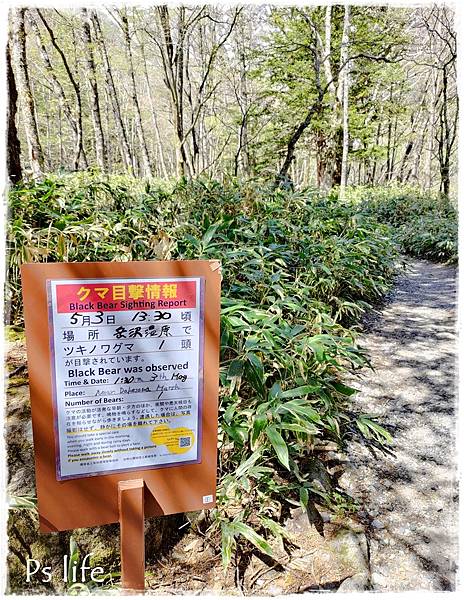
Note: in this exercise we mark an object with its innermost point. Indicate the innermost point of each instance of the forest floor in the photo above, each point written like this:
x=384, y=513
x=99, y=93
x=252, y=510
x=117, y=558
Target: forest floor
x=405, y=536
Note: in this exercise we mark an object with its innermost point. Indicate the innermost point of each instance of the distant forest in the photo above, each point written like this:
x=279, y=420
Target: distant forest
x=312, y=96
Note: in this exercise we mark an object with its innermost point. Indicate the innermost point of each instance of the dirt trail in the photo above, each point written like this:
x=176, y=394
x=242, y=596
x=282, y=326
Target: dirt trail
x=411, y=498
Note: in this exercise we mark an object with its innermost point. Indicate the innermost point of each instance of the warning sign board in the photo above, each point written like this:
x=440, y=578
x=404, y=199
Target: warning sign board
x=129, y=385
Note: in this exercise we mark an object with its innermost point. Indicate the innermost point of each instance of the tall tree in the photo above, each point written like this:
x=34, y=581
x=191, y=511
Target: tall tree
x=79, y=150
x=439, y=25
x=313, y=45
x=100, y=148
x=172, y=54
x=154, y=117
x=13, y=148
x=344, y=60
x=112, y=93
x=199, y=93
x=124, y=24
x=243, y=155
x=19, y=62
x=55, y=83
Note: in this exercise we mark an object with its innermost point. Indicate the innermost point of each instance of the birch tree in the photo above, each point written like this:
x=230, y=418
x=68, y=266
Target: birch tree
x=55, y=83
x=20, y=66
x=154, y=117
x=112, y=93
x=80, y=153
x=127, y=33
x=100, y=149
x=172, y=55
x=344, y=60
x=439, y=24
x=13, y=149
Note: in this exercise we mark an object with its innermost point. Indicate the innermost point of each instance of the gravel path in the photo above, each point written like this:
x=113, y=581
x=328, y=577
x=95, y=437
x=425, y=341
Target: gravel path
x=410, y=499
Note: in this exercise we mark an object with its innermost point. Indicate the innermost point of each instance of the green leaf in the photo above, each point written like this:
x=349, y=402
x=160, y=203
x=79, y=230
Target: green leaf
x=238, y=433
x=253, y=537
x=256, y=362
x=208, y=236
x=256, y=374
x=236, y=322
x=275, y=391
x=73, y=560
x=229, y=413
x=250, y=461
x=381, y=431
x=235, y=368
x=296, y=330
x=344, y=389
x=192, y=240
x=309, y=429
x=279, y=445
x=298, y=408
x=368, y=427
x=318, y=350
x=303, y=390
x=304, y=497
x=275, y=528
x=61, y=247
x=251, y=342
x=259, y=423
x=227, y=543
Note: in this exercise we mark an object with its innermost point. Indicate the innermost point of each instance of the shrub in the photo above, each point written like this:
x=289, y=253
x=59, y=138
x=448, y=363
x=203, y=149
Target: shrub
x=299, y=270
x=425, y=225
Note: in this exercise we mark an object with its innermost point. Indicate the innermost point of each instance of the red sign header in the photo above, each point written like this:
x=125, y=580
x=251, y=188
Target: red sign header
x=140, y=295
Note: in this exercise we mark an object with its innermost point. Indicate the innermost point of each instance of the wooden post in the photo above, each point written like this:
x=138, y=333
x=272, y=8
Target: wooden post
x=131, y=519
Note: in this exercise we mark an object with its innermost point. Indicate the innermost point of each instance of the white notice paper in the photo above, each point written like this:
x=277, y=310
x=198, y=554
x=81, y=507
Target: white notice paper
x=127, y=373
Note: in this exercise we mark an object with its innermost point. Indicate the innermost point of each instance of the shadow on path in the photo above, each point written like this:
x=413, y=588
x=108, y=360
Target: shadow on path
x=413, y=494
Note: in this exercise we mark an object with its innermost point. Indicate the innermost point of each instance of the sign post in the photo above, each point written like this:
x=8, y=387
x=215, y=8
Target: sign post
x=132, y=528
x=123, y=362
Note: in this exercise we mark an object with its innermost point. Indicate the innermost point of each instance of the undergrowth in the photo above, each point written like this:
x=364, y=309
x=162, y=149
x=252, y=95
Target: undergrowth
x=299, y=270
x=424, y=225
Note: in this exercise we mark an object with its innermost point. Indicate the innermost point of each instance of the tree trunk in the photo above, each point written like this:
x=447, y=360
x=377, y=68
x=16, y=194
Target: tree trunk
x=374, y=166
x=195, y=148
x=444, y=153
x=321, y=158
x=146, y=167
x=80, y=153
x=394, y=146
x=337, y=155
x=330, y=142
x=344, y=59
x=13, y=149
x=153, y=113
x=60, y=138
x=292, y=142
x=173, y=65
x=243, y=142
x=57, y=87
x=122, y=133
x=448, y=121
x=327, y=50
x=431, y=130
x=100, y=149
x=19, y=62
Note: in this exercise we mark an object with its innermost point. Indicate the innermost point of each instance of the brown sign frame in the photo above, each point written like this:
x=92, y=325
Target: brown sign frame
x=91, y=501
